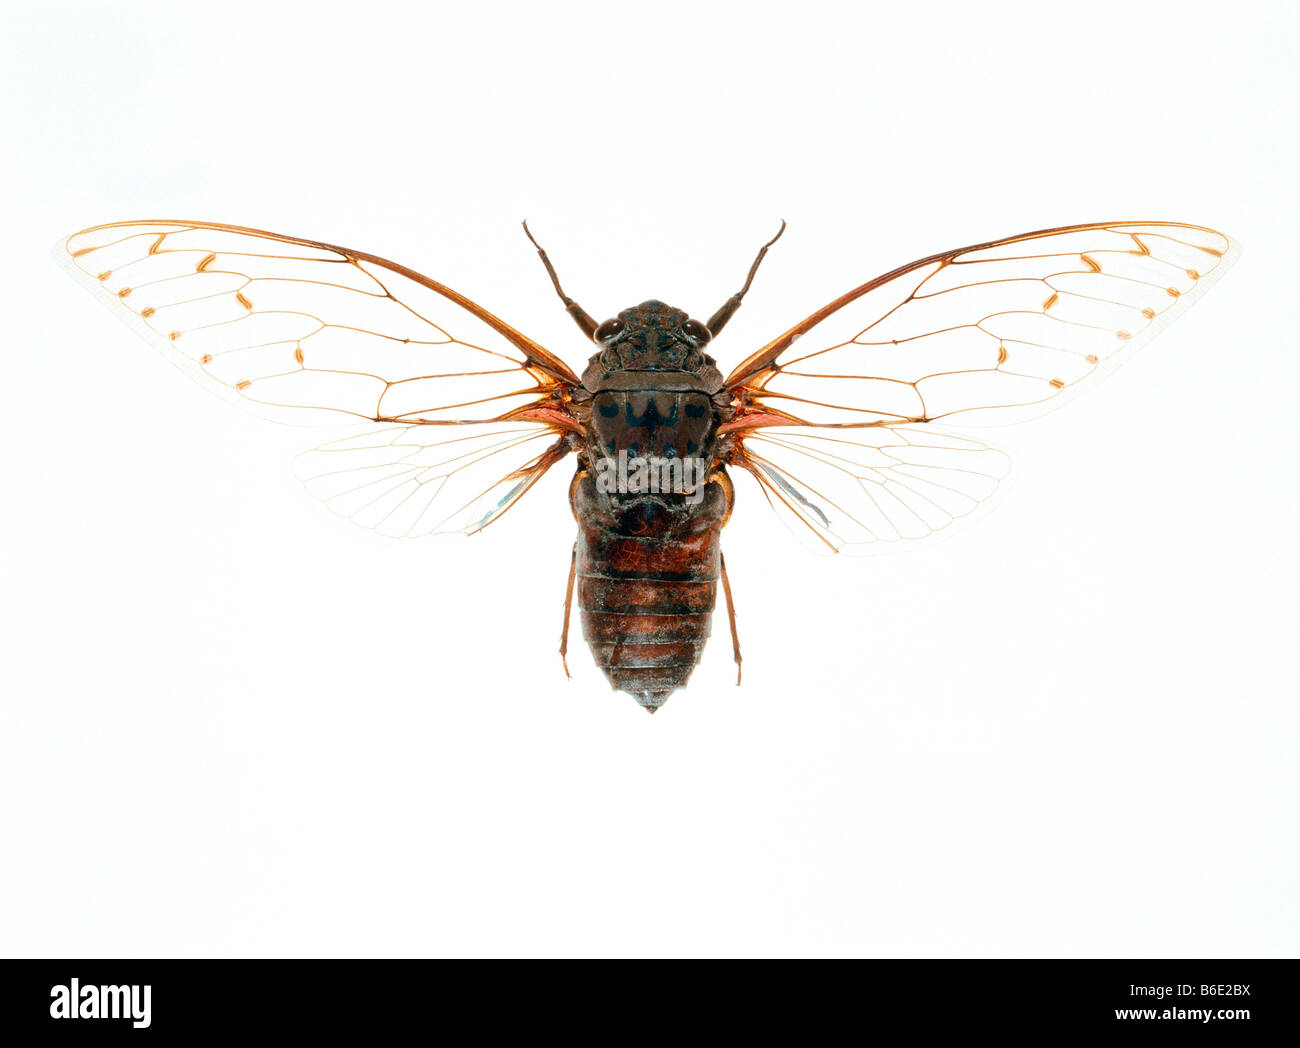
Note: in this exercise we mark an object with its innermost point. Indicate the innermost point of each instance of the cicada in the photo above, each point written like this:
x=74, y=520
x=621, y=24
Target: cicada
x=844, y=420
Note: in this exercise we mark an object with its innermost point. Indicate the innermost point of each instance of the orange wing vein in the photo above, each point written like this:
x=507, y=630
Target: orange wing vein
x=311, y=333
x=834, y=414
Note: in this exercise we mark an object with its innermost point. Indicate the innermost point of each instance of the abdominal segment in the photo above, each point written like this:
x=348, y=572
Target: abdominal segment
x=647, y=574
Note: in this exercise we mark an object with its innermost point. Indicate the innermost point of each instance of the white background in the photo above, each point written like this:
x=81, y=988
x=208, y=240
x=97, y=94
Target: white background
x=233, y=725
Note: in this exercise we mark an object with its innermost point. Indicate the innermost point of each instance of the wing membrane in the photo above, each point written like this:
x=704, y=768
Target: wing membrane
x=985, y=334
x=866, y=490
x=312, y=333
x=409, y=481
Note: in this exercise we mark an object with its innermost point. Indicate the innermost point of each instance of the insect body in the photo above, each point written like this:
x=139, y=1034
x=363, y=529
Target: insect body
x=838, y=419
x=649, y=561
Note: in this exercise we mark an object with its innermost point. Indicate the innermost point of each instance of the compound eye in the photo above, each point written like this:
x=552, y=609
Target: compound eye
x=608, y=330
x=694, y=329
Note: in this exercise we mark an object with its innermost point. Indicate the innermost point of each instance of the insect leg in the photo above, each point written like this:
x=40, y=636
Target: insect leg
x=732, y=304
x=731, y=616
x=568, y=606
x=576, y=311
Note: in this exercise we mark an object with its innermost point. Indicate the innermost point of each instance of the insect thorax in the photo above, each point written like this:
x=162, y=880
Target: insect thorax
x=652, y=402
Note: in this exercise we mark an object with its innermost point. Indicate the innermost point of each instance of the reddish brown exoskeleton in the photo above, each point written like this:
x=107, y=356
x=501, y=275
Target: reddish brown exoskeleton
x=835, y=418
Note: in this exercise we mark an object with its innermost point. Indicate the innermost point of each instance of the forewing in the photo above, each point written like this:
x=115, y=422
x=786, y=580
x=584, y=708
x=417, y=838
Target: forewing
x=985, y=334
x=408, y=481
x=312, y=333
x=867, y=489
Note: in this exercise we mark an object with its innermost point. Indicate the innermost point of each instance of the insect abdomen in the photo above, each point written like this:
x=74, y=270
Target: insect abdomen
x=647, y=584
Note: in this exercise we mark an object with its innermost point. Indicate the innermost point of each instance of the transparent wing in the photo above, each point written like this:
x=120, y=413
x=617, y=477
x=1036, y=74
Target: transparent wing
x=312, y=333
x=865, y=490
x=408, y=481
x=985, y=334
